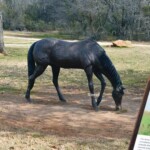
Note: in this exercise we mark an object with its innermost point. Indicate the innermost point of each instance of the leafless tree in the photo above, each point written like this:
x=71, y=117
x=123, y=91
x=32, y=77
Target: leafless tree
x=1, y=34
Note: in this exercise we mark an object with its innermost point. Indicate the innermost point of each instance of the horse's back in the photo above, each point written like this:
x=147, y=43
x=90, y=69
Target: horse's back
x=66, y=54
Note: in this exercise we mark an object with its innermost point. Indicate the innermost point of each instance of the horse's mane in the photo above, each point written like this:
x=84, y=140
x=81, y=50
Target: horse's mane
x=110, y=71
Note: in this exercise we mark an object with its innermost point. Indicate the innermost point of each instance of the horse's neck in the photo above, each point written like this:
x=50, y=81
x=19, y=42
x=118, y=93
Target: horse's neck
x=111, y=73
x=113, y=77
x=115, y=81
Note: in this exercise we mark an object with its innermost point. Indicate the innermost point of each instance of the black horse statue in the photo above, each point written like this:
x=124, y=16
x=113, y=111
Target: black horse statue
x=86, y=54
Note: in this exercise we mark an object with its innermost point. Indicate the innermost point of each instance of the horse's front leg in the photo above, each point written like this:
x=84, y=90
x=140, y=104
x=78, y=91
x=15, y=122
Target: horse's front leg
x=56, y=71
x=103, y=85
x=89, y=73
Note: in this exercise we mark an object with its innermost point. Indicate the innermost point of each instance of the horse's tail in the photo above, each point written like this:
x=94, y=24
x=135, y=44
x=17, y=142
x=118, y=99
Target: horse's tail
x=30, y=60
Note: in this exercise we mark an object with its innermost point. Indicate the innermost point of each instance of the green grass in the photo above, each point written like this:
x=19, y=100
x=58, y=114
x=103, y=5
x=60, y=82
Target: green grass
x=145, y=124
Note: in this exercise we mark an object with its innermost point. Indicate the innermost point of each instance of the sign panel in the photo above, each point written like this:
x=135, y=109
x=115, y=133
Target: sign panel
x=141, y=135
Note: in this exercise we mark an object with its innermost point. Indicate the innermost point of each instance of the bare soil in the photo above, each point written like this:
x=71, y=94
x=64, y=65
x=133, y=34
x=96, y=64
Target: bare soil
x=76, y=118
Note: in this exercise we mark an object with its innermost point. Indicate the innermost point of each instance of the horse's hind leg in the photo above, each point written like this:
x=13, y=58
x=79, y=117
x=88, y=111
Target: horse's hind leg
x=89, y=73
x=38, y=71
x=56, y=71
x=103, y=84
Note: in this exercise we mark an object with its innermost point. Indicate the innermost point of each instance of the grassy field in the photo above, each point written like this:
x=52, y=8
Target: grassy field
x=131, y=63
x=145, y=124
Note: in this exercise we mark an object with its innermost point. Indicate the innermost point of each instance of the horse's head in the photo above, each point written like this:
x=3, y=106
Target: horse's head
x=117, y=94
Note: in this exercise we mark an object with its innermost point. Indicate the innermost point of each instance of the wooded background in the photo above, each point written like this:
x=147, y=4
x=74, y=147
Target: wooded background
x=104, y=19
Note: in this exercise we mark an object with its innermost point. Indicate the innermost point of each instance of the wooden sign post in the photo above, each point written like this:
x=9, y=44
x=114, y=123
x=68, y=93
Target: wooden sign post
x=141, y=135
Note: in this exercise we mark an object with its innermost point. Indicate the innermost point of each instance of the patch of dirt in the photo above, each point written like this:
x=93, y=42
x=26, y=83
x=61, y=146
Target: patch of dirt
x=76, y=118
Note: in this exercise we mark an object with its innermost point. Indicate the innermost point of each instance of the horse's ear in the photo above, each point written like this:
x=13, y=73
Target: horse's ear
x=120, y=88
x=123, y=87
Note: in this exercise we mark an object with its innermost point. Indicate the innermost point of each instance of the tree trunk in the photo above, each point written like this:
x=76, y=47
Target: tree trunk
x=1, y=34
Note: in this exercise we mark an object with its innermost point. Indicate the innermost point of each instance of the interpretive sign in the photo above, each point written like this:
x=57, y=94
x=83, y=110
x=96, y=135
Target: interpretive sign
x=141, y=135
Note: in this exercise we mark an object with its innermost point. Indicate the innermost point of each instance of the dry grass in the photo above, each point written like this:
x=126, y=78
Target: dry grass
x=14, y=139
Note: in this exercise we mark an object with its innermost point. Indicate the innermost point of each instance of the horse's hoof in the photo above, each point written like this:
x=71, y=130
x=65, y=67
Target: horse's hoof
x=63, y=100
x=97, y=103
x=96, y=109
x=28, y=100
